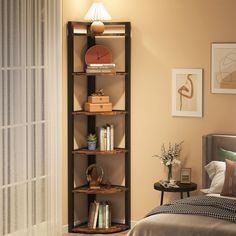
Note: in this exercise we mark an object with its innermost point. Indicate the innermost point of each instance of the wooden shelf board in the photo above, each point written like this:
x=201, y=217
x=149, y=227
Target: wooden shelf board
x=113, y=229
x=94, y=152
x=104, y=189
x=107, y=113
x=82, y=73
x=101, y=35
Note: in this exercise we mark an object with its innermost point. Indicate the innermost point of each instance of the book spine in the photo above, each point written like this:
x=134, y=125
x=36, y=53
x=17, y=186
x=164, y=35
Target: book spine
x=112, y=137
x=105, y=138
x=100, y=217
x=101, y=139
x=108, y=137
x=107, y=216
x=95, y=215
x=102, y=65
x=91, y=215
x=100, y=70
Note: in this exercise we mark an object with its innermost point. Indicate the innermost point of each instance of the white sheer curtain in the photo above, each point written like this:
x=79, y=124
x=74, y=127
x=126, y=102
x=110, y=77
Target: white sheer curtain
x=30, y=102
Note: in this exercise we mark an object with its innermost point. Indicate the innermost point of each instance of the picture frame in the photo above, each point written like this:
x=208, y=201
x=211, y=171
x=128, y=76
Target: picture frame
x=223, y=68
x=185, y=175
x=187, y=92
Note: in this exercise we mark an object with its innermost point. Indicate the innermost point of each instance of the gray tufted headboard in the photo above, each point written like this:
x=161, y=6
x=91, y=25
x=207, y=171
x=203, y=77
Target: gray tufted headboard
x=210, y=145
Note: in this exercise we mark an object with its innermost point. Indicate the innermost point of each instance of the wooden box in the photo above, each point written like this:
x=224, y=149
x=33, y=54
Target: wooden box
x=98, y=99
x=95, y=107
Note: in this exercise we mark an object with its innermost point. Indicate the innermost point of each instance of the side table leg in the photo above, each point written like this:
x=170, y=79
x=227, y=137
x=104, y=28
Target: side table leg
x=162, y=196
x=188, y=194
x=181, y=195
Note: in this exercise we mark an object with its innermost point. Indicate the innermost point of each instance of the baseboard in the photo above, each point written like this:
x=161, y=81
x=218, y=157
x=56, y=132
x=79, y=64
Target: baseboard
x=65, y=227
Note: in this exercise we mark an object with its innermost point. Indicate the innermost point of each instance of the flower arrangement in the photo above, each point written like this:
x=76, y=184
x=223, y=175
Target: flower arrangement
x=170, y=157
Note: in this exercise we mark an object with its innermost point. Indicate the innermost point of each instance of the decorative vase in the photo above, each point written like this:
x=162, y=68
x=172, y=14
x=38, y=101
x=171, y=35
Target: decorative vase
x=92, y=145
x=169, y=172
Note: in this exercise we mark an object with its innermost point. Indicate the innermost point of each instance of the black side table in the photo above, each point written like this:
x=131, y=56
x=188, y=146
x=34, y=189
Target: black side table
x=182, y=188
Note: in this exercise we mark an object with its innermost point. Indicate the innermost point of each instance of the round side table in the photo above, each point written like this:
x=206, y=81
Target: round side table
x=187, y=188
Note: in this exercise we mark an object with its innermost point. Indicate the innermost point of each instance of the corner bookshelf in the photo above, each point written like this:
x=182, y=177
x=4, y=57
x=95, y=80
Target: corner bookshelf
x=78, y=32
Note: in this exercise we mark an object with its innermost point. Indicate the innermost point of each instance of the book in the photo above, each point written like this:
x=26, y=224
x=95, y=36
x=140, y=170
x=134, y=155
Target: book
x=105, y=138
x=101, y=216
x=108, y=146
x=112, y=137
x=107, y=65
x=107, y=215
x=91, y=215
x=95, y=215
x=102, y=70
x=102, y=138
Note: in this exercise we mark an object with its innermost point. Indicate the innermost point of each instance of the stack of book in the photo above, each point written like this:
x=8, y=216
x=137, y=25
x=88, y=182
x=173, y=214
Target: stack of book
x=106, y=137
x=101, y=68
x=99, y=215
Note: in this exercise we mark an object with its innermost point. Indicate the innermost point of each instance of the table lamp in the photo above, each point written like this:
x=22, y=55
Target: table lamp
x=96, y=13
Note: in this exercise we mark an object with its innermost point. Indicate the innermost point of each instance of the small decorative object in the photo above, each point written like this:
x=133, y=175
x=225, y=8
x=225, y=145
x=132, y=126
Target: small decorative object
x=98, y=54
x=96, y=13
x=92, y=141
x=94, y=174
x=187, y=92
x=98, y=93
x=93, y=107
x=185, y=175
x=169, y=157
x=170, y=184
x=97, y=102
x=223, y=68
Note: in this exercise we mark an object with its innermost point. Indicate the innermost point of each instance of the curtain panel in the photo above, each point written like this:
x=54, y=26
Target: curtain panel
x=30, y=117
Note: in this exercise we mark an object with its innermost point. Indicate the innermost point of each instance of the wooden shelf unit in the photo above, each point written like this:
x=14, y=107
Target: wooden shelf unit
x=82, y=29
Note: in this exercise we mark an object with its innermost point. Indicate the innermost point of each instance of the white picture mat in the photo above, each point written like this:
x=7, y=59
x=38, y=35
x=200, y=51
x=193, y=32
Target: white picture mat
x=195, y=101
x=223, y=64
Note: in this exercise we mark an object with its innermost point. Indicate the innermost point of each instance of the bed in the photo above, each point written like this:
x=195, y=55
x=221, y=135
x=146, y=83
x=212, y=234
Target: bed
x=189, y=224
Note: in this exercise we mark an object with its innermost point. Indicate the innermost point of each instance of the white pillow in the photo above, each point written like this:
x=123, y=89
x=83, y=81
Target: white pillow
x=216, y=172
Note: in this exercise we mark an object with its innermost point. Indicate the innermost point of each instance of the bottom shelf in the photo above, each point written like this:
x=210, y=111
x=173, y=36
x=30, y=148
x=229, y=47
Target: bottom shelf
x=113, y=229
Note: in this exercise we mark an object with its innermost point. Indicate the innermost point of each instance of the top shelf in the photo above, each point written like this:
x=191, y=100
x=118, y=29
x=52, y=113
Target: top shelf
x=112, y=29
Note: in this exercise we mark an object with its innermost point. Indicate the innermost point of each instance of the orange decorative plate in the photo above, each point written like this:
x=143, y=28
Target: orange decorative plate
x=98, y=54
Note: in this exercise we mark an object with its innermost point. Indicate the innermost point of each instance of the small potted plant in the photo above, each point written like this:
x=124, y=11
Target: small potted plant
x=92, y=141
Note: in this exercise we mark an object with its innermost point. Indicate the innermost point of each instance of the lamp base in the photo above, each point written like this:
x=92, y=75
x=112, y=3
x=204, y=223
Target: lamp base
x=97, y=27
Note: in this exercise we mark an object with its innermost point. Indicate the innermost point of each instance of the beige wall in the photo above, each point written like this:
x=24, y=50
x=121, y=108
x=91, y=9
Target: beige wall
x=166, y=34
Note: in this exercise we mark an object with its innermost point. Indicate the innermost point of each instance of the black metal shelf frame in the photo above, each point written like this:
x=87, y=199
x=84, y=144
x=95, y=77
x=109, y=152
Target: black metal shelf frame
x=91, y=126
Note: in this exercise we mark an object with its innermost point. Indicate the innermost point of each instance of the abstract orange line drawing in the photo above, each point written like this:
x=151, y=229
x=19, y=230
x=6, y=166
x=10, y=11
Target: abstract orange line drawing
x=186, y=90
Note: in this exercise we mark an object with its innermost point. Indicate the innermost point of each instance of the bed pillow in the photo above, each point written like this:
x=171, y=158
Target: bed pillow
x=226, y=154
x=229, y=188
x=216, y=172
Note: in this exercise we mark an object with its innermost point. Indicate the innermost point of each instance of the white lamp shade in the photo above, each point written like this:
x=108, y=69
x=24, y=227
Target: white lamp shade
x=97, y=12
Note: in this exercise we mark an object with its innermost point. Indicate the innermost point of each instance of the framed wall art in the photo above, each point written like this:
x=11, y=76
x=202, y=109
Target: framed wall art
x=187, y=92
x=223, y=68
